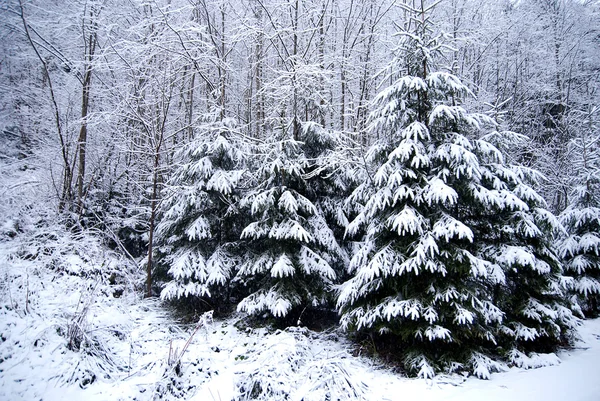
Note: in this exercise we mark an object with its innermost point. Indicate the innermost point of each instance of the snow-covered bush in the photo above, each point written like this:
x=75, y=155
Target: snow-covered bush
x=288, y=365
x=55, y=293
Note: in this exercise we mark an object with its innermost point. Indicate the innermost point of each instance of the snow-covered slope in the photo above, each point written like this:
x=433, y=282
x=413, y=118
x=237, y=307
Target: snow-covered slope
x=68, y=331
x=575, y=378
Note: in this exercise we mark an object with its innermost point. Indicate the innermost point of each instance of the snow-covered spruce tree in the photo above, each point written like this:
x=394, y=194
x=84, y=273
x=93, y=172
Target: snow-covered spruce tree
x=289, y=246
x=456, y=262
x=199, y=226
x=330, y=179
x=580, y=249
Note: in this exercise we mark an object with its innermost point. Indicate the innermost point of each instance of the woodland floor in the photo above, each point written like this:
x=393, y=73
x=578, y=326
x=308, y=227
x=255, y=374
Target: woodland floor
x=71, y=329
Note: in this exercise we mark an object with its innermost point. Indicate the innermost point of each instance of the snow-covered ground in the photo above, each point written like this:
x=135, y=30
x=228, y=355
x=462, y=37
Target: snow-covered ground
x=57, y=289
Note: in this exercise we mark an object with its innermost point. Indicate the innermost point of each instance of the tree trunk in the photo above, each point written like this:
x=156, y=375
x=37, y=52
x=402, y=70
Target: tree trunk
x=222, y=70
x=67, y=177
x=295, y=123
x=153, y=209
x=85, y=101
x=260, y=101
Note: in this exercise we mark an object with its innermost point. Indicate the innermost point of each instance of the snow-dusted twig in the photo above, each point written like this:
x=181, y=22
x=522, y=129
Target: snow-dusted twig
x=174, y=357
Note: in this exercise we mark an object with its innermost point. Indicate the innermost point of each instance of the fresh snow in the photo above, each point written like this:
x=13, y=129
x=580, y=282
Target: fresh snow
x=131, y=347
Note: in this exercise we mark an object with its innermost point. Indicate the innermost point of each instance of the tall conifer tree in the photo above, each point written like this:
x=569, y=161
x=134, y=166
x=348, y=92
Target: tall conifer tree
x=456, y=262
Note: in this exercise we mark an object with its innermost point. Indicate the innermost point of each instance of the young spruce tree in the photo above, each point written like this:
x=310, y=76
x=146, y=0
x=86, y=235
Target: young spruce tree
x=289, y=246
x=330, y=179
x=199, y=227
x=456, y=263
x=580, y=249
